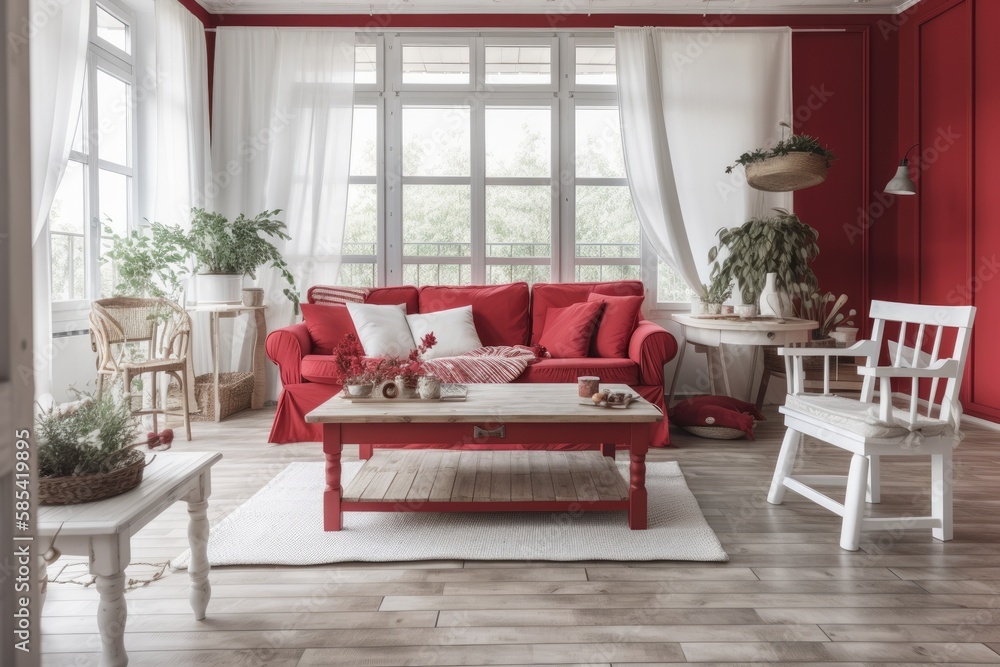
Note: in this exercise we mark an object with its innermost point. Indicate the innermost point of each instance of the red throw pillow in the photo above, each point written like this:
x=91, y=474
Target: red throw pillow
x=621, y=313
x=327, y=324
x=568, y=331
x=716, y=411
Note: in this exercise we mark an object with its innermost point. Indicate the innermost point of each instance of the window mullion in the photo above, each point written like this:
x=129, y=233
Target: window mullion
x=92, y=243
x=567, y=183
x=393, y=160
x=477, y=198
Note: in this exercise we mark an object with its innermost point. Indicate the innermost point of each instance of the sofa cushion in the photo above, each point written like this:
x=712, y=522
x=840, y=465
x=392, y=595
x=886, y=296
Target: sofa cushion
x=327, y=325
x=568, y=330
x=382, y=330
x=623, y=371
x=560, y=295
x=499, y=311
x=390, y=296
x=454, y=331
x=618, y=321
x=321, y=368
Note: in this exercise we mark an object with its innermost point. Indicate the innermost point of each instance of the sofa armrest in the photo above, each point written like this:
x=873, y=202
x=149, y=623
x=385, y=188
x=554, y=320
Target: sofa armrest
x=286, y=347
x=651, y=346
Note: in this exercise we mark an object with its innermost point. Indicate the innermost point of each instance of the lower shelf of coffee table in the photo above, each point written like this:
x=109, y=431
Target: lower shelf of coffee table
x=469, y=477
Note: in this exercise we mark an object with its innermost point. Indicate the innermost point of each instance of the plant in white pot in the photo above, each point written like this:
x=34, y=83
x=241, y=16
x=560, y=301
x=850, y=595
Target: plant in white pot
x=773, y=251
x=225, y=252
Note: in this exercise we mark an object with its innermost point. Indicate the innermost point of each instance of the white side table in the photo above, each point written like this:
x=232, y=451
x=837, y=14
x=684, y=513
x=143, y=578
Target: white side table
x=218, y=311
x=709, y=333
x=103, y=530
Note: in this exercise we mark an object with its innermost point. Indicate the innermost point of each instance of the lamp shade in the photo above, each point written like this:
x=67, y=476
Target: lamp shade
x=901, y=183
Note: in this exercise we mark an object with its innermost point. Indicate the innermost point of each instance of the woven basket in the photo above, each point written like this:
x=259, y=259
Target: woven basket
x=235, y=391
x=88, y=488
x=786, y=173
x=775, y=363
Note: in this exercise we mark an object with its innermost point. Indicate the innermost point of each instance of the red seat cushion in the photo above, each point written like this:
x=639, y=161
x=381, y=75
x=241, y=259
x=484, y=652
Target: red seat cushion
x=327, y=324
x=568, y=330
x=321, y=368
x=619, y=371
x=500, y=312
x=621, y=314
x=560, y=295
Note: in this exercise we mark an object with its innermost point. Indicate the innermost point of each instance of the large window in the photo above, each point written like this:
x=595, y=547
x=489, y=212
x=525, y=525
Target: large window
x=492, y=158
x=96, y=195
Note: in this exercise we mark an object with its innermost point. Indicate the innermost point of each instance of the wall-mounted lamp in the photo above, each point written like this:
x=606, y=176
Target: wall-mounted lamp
x=901, y=183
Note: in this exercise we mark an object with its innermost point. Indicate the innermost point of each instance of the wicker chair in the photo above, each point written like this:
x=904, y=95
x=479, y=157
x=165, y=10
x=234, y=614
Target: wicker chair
x=164, y=326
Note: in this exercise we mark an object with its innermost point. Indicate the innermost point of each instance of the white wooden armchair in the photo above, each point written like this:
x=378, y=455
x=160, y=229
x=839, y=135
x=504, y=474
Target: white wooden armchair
x=163, y=326
x=870, y=430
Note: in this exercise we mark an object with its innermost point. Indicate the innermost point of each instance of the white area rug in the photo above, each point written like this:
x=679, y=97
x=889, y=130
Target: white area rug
x=282, y=525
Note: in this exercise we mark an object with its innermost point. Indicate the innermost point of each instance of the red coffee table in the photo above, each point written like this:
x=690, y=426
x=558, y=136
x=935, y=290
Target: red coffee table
x=435, y=480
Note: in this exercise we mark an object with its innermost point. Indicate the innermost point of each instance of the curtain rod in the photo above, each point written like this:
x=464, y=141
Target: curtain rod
x=575, y=30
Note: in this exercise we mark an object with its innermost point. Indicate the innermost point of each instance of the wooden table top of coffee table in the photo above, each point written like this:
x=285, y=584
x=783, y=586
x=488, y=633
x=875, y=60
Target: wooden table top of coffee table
x=510, y=403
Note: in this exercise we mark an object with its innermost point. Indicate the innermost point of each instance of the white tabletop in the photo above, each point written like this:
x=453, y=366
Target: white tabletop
x=163, y=482
x=222, y=307
x=736, y=323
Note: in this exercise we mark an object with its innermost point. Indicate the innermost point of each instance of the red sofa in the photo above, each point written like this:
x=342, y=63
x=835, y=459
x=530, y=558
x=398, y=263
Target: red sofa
x=503, y=314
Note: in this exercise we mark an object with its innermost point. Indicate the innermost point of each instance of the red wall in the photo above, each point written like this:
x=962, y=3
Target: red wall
x=948, y=236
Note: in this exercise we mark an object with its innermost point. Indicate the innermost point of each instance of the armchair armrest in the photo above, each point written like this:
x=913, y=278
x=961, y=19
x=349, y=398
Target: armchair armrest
x=942, y=368
x=651, y=346
x=286, y=347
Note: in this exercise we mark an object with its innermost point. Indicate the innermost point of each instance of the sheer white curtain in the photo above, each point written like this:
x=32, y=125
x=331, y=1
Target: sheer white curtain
x=183, y=151
x=284, y=107
x=692, y=101
x=58, y=54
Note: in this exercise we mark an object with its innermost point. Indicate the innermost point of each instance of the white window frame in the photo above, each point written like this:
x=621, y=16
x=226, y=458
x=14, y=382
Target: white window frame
x=71, y=315
x=389, y=95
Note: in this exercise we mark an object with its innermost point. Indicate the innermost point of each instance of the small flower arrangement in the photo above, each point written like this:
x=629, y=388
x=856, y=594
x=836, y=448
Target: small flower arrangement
x=85, y=437
x=355, y=369
x=411, y=368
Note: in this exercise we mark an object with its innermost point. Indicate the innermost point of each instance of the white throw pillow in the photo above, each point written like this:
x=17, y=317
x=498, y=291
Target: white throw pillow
x=382, y=330
x=454, y=330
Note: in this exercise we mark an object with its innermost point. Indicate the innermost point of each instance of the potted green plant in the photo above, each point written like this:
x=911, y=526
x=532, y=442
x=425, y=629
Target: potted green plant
x=224, y=252
x=796, y=162
x=151, y=261
x=779, y=244
x=715, y=294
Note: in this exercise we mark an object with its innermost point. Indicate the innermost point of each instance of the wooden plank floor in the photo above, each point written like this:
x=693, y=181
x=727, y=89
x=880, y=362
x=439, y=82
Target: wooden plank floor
x=475, y=476
x=789, y=593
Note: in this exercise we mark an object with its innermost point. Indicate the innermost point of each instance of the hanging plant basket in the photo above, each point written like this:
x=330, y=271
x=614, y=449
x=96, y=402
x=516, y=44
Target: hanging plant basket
x=787, y=173
x=88, y=488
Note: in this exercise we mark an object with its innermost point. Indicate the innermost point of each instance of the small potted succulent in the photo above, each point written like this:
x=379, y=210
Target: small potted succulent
x=715, y=294
x=796, y=162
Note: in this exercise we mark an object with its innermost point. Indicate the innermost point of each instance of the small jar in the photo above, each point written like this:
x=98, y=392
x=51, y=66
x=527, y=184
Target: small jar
x=588, y=385
x=429, y=387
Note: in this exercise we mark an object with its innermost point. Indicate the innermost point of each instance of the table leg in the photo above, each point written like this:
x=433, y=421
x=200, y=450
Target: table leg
x=111, y=616
x=259, y=373
x=608, y=450
x=753, y=368
x=216, y=361
x=677, y=372
x=332, y=447
x=201, y=587
x=725, y=371
x=364, y=451
x=637, y=476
